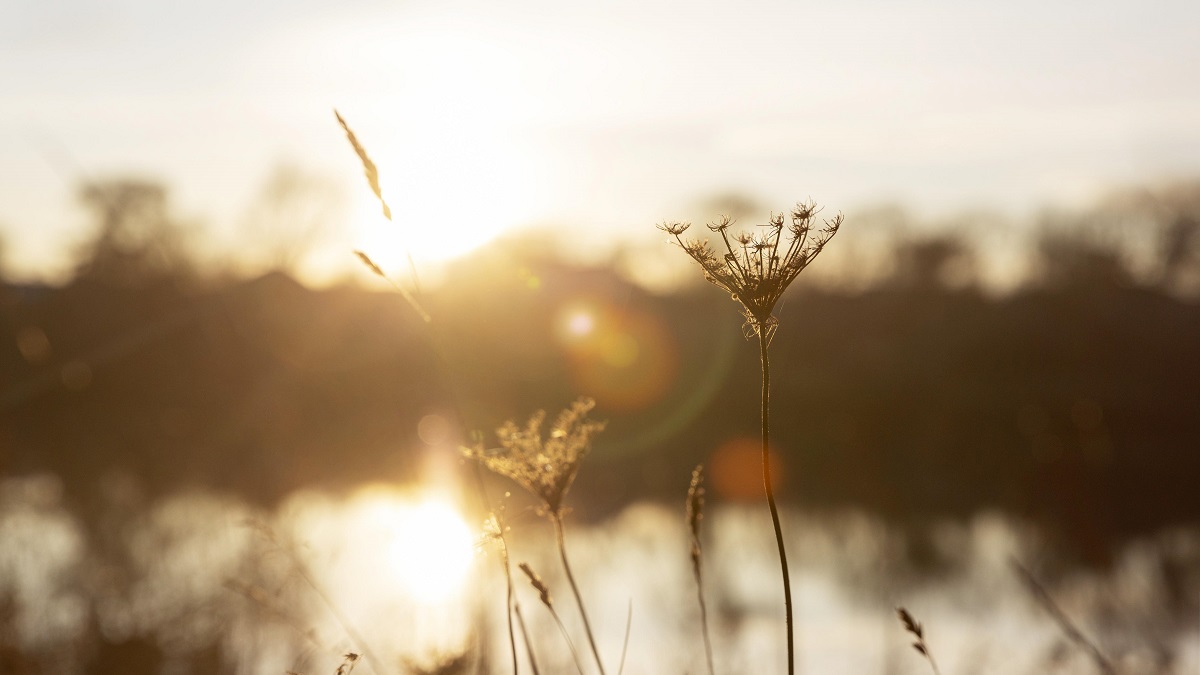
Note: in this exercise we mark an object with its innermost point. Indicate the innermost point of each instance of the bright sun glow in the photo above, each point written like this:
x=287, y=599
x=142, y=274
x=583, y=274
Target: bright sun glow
x=432, y=551
x=459, y=200
x=451, y=166
x=429, y=548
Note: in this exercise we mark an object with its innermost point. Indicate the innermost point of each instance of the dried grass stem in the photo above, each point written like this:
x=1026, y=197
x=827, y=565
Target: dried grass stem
x=695, y=513
x=560, y=535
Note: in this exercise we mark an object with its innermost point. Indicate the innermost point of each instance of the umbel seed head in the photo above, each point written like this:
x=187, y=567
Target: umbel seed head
x=755, y=269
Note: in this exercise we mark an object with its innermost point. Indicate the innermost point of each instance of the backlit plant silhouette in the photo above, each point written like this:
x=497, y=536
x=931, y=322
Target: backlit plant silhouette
x=546, y=467
x=756, y=270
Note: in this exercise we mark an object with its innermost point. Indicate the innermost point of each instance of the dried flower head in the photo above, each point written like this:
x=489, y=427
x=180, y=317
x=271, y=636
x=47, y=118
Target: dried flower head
x=757, y=269
x=545, y=467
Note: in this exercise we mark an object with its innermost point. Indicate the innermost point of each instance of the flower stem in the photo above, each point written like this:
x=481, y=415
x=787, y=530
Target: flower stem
x=766, y=462
x=567, y=637
x=562, y=551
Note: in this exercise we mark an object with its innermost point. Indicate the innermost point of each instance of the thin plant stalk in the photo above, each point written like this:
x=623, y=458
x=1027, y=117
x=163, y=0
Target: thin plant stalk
x=1068, y=627
x=371, y=172
x=695, y=513
x=544, y=595
x=694, y=508
x=566, y=636
x=511, y=605
x=546, y=468
x=757, y=280
x=625, y=643
x=560, y=535
x=301, y=570
x=514, y=607
x=508, y=613
x=763, y=339
x=525, y=635
x=708, y=650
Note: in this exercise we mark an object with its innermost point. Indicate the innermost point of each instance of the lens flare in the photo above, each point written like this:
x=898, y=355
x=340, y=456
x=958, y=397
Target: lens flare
x=623, y=357
x=735, y=469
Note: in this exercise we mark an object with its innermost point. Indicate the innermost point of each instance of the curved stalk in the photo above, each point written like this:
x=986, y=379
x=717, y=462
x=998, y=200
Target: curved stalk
x=525, y=635
x=567, y=637
x=766, y=461
x=708, y=652
x=562, y=552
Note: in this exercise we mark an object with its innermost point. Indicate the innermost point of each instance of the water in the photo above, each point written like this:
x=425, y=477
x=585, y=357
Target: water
x=203, y=583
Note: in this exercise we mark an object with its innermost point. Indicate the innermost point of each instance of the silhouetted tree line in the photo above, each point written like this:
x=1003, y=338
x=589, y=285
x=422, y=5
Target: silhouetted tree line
x=1073, y=400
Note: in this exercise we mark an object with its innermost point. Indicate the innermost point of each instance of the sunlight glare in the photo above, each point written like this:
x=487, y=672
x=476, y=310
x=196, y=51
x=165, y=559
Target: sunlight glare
x=580, y=323
x=453, y=170
x=431, y=549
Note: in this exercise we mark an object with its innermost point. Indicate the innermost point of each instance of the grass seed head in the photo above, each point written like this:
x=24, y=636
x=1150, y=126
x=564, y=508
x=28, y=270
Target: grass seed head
x=917, y=631
x=348, y=662
x=538, y=585
x=695, y=509
x=369, y=169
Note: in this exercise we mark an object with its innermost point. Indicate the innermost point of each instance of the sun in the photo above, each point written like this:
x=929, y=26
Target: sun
x=452, y=162
x=453, y=201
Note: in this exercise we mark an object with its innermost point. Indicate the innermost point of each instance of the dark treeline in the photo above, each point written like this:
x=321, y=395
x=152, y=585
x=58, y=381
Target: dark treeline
x=1074, y=400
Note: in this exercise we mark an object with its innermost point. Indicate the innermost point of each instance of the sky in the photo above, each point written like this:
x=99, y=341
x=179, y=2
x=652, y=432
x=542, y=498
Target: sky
x=598, y=118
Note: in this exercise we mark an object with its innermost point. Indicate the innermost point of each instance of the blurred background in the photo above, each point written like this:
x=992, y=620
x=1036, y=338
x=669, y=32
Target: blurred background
x=227, y=447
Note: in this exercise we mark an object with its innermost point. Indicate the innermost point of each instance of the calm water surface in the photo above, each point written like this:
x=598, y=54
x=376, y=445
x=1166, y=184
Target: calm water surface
x=204, y=583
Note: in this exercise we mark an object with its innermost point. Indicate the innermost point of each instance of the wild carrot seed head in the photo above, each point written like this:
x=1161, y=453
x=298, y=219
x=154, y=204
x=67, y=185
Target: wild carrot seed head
x=756, y=269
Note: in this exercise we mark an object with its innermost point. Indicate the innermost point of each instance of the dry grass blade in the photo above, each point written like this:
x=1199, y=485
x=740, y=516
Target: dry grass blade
x=408, y=297
x=538, y=585
x=369, y=169
x=1068, y=627
x=372, y=174
x=695, y=513
x=915, y=629
x=348, y=662
x=366, y=260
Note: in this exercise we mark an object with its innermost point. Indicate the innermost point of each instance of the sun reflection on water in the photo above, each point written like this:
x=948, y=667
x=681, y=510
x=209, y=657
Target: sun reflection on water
x=428, y=547
x=432, y=551
x=397, y=568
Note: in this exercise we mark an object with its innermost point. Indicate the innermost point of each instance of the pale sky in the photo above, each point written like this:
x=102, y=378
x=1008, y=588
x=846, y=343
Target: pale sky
x=607, y=117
